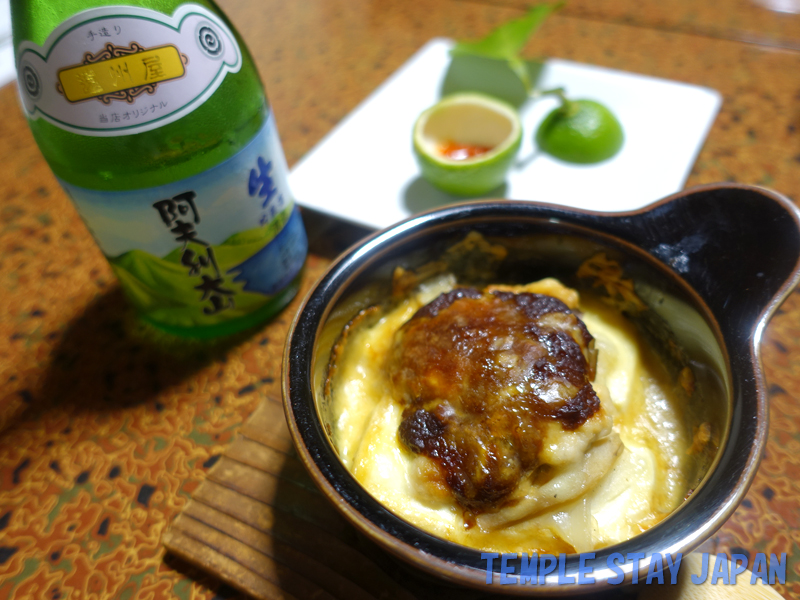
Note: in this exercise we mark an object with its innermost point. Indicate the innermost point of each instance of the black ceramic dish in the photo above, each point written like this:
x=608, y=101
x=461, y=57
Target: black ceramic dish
x=712, y=263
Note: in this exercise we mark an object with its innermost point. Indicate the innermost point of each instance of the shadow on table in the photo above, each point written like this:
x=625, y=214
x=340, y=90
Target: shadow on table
x=316, y=538
x=106, y=359
x=420, y=196
x=205, y=580
x=329, y=236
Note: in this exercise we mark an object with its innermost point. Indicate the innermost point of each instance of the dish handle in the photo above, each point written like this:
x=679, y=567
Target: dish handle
x=737, y=245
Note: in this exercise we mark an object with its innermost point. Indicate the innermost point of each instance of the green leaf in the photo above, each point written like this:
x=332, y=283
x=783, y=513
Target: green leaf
x=508, y=40
x=521, y=70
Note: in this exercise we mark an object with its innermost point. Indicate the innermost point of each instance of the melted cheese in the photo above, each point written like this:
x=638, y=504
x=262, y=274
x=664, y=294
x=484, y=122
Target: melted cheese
x=617, y=475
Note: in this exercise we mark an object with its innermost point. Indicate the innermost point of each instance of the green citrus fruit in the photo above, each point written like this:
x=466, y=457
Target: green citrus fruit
x=466, y=143
x=580, y=131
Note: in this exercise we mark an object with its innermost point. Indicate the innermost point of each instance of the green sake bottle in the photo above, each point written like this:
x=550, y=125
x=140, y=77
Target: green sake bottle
x=152, y=116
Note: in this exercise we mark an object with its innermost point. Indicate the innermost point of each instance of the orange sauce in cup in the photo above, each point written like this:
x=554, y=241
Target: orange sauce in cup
x=457, y=151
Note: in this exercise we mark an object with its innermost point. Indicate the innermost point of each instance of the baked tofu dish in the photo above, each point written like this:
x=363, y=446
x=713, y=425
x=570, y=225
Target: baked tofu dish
x=510, y=418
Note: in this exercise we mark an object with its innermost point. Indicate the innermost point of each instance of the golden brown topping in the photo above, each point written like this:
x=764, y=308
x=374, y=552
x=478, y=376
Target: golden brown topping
x=686, y=379
x=608, y=274
x=480, y=374
x=701, y=437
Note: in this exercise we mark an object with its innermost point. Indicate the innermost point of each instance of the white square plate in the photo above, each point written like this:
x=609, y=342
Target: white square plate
x=364, y=170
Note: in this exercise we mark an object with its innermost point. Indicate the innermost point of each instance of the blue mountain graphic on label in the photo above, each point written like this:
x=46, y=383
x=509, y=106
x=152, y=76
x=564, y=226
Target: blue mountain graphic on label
x=270, y=269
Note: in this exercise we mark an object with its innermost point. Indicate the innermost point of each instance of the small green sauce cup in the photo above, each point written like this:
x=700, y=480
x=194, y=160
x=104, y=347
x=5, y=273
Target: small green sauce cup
x=473, y=121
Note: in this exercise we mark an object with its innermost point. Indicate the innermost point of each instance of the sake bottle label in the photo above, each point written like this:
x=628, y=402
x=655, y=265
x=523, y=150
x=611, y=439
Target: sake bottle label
x=206, y=249
x=121, y=70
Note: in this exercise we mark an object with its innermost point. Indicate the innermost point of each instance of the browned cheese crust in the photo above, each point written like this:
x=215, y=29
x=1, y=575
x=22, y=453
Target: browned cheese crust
x=480, y=375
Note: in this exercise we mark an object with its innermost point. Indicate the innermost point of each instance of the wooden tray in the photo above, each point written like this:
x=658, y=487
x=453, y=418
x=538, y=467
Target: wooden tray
x=259, y=524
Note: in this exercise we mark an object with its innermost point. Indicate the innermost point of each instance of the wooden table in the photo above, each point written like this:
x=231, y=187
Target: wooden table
x=104, y=440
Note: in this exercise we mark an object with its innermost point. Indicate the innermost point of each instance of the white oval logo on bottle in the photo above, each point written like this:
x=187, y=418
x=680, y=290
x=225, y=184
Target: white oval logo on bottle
x=121, y=70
